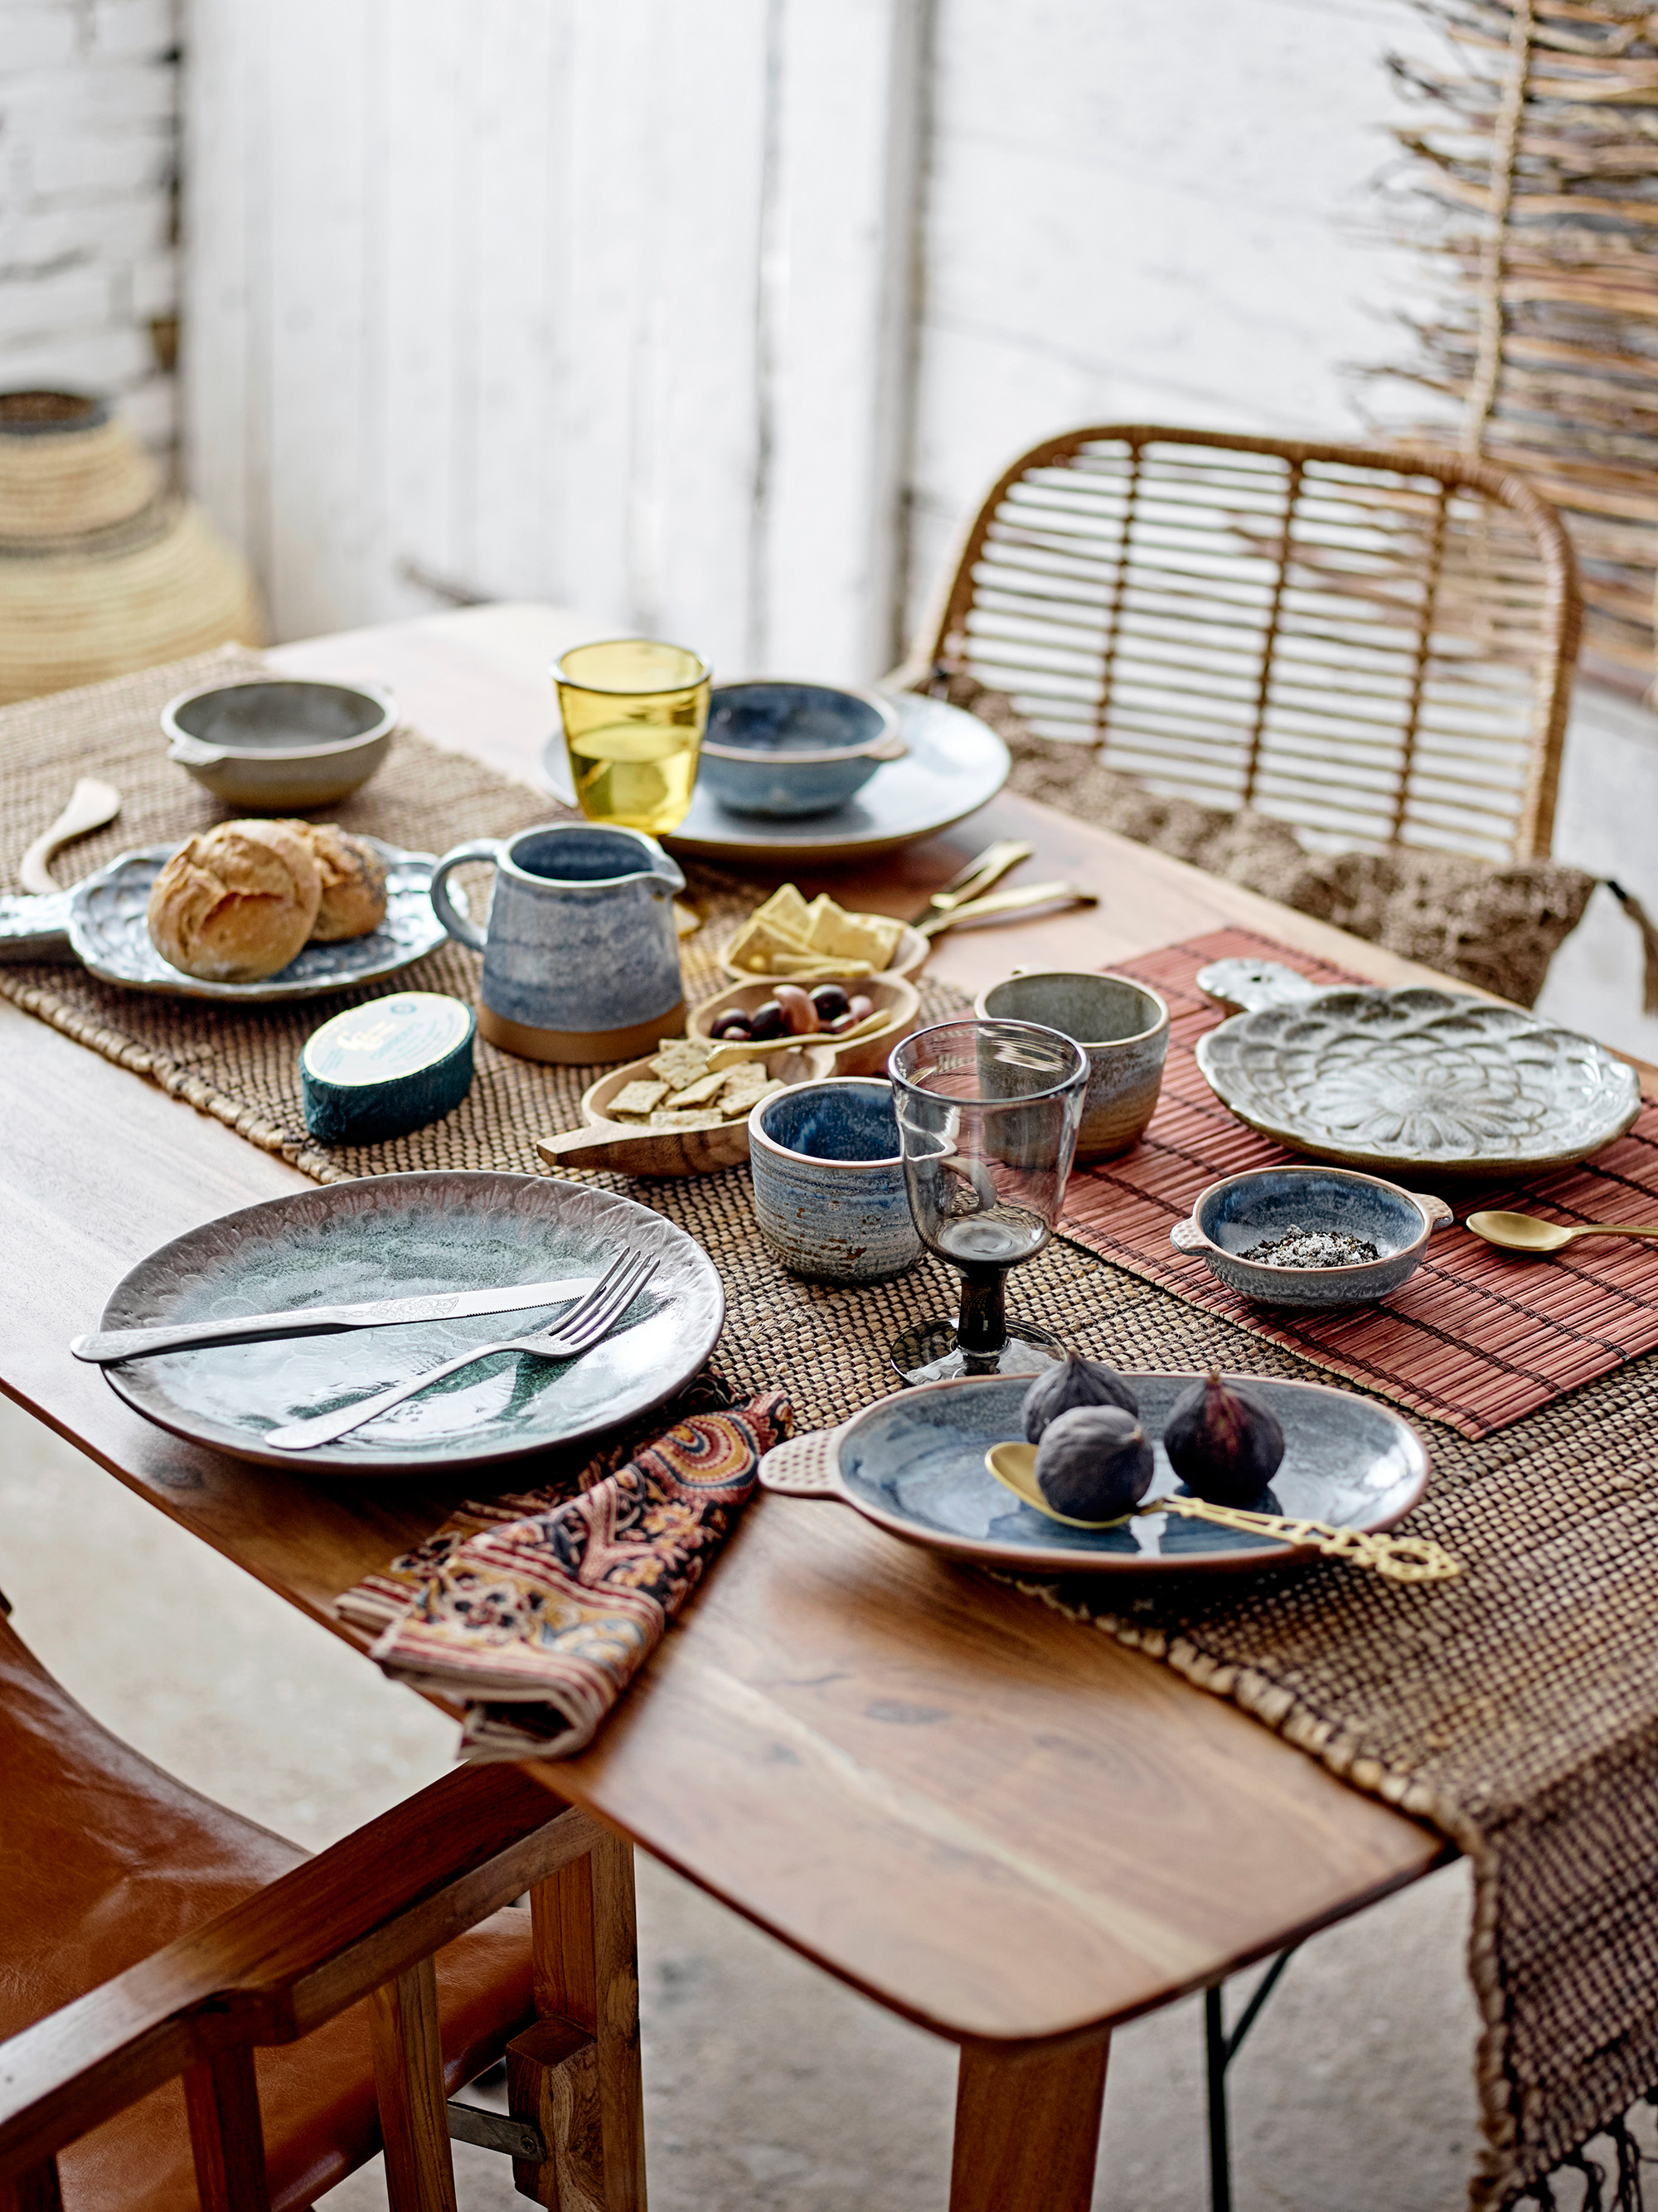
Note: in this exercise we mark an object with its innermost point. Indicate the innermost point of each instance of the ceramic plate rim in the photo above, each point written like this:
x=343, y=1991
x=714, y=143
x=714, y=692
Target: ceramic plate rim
x=986, y=1551
x=1385, y=1163
x=457, y=1458
x=270, y=990
x=764, y=839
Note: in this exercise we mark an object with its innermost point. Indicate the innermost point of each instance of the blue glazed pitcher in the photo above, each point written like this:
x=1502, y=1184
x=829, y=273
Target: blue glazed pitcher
x=581, y=955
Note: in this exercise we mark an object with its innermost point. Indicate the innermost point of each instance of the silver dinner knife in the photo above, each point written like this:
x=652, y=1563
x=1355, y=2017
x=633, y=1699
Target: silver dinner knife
x=326, y=1320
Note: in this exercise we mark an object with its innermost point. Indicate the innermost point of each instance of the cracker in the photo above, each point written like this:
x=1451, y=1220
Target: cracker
x=665, y=1118
x=757, y=945
x=636, y=1098
x=787, y=913
x=702, y=1092
x=680, y=1060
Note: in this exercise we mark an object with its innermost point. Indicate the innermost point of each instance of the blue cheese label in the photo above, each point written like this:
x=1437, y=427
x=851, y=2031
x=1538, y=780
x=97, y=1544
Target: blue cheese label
x=387, y=1038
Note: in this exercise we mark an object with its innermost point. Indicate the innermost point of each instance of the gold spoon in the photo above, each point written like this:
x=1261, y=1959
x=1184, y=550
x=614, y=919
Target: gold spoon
x=1524, y=1232
x=1398, y=1558
x=91, y=804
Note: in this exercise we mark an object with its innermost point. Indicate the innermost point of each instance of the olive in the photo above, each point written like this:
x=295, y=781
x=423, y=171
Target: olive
x=733, y=1023
x=831, y=1002
x=798, y=1011
x=767, y=1022
x=859, y=1007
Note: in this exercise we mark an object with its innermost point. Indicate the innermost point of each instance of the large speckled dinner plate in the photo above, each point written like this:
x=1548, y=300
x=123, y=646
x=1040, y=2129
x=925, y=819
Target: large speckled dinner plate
x=402, y=1237
x=956, y=764
x=1420, y=1081
x=914, y=1464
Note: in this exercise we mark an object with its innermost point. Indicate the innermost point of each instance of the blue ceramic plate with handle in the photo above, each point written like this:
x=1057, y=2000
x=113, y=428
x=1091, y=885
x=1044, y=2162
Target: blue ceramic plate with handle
x=406, y=1236
x=914, y=1464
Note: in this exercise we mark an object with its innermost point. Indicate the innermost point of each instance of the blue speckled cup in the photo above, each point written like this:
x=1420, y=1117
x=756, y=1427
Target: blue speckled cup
x=581, y=955
x=829, y=1182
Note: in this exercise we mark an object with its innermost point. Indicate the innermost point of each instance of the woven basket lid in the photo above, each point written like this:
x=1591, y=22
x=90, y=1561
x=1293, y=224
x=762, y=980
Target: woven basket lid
x=68, y=466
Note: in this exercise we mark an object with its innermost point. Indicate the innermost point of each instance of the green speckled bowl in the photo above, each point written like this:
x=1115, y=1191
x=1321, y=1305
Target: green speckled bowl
x=400, y=1236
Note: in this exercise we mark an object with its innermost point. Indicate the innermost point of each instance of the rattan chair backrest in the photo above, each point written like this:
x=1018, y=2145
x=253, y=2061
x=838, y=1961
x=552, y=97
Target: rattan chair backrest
x=1374, y=644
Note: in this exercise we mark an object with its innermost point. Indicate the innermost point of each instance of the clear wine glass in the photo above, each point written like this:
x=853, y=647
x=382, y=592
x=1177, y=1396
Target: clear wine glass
x=987, y=1120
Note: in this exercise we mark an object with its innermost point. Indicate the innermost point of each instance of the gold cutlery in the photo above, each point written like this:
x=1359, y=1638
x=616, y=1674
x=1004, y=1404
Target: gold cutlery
x=1524, y=1232
x=1397, y=1559
x=985, y=869
x=1013, y=901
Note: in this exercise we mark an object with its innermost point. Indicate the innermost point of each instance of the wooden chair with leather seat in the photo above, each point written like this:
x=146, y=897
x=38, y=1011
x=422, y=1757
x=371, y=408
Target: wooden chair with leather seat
x=1372, y=644
x=196, y=2012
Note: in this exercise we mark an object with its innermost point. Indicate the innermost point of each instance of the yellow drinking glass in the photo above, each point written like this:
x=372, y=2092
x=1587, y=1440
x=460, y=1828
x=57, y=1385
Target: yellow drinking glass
x=635, y=711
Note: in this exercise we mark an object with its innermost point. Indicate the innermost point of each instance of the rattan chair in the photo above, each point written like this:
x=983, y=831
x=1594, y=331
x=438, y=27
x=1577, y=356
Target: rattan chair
x=1375, y=646
x=196, y=2013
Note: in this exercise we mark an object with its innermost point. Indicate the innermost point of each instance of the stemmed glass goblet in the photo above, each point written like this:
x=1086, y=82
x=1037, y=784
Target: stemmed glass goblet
x=987, y=1119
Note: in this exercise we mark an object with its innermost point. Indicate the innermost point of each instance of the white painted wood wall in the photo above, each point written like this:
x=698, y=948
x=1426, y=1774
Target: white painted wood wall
x=716, y=318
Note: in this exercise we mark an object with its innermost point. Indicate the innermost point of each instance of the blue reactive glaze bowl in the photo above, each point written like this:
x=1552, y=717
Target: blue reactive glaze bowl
x=829, y=1195
x=1231, y=1218
x=793, y=749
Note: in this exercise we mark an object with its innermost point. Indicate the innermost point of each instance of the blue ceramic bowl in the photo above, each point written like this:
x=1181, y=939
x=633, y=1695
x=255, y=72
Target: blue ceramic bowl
x=1231, y=1218
x=828, y=1181
x=792, y=749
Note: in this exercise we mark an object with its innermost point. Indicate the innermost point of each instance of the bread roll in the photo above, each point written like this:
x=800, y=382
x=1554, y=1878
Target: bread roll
x=353, y=883
x=237, y=904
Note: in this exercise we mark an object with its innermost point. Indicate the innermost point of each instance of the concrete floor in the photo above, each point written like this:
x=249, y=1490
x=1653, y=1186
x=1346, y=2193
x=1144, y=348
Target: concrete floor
x=768, y=2088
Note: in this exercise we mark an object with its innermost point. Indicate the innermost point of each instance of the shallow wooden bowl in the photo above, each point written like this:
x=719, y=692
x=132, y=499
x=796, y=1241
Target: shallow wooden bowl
x=908, y=957
x=889, y=994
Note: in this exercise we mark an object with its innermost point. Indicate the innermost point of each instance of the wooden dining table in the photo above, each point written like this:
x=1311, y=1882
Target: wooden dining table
x=997, y=1822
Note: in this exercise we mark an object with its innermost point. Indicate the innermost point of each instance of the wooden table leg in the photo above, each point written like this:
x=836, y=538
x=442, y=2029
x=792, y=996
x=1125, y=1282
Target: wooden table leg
x=1027, y=2128
x=586, y=1971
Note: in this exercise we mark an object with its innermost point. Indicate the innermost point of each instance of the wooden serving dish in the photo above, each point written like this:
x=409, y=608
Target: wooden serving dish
x=889, y=994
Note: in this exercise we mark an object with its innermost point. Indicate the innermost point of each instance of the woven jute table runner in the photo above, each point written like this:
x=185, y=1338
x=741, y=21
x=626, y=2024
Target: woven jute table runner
x=1514, y=1708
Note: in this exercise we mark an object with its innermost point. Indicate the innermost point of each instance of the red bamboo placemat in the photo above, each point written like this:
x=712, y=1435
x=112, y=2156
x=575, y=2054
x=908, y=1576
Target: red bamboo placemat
x=1475, y=1338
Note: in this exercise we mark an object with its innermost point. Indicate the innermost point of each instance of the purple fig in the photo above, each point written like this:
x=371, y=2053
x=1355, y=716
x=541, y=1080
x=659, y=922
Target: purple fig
x=1094, y=1463
x=1072, y=1382
x=1224, y=1441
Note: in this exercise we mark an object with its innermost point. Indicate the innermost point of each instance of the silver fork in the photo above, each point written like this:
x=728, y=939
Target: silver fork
x=587, y=1323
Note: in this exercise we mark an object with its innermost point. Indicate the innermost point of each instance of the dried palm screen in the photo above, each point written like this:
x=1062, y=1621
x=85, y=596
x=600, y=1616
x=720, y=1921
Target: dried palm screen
x=1531, y=193
x=1373, y=645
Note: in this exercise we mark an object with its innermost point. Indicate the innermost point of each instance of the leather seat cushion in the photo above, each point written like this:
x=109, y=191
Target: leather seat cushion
x=104, y=1859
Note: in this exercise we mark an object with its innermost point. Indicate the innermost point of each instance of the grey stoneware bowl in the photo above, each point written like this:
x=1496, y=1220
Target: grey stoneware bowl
x=1233, y=1216
x=790, y=748
x=276, y=743
x=829, y=1195
x=1123, y=1030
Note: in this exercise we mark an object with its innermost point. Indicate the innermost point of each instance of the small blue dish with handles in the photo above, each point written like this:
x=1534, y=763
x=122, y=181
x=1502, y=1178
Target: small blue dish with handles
x=791, y=749
x=829, y=1195
x=1231, y=1217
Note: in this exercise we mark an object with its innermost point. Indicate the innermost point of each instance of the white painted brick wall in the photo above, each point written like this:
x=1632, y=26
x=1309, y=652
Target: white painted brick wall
x=88, y=145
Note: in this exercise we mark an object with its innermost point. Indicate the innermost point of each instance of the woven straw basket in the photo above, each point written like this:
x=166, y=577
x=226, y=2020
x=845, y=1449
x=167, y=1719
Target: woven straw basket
x=101, y=568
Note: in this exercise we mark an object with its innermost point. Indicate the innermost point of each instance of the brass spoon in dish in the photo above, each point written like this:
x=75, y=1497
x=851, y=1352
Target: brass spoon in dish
x=91, y=804
x=1398, y=1558
x=1524, y=1232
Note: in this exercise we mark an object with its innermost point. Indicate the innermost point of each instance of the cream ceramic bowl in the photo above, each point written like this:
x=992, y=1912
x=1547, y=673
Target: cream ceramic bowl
x=278, y=744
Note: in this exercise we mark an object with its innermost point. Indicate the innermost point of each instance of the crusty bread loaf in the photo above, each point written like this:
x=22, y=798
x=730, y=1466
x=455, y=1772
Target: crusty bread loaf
x=237, y=904
x=353, y=883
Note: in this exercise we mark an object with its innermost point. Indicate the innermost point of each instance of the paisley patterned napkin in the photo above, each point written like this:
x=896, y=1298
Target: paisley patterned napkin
x=541, y=1622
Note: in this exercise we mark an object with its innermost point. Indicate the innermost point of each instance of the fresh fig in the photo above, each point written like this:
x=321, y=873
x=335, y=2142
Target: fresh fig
x=1094, y=1463
x=1224, y=1441
x=1074, y=1381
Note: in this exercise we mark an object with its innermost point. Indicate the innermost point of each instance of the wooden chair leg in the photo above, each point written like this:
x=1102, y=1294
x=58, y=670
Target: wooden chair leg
x=586, y=1978
x=552, y=2078
x=222, y=2101
x=1028, y=2129
x=402, y=2026
x=37, y=2191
